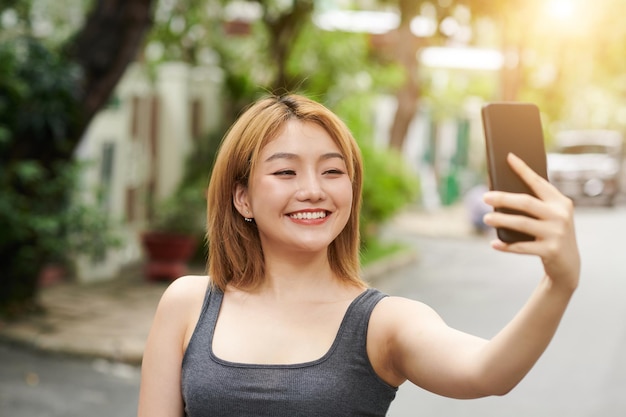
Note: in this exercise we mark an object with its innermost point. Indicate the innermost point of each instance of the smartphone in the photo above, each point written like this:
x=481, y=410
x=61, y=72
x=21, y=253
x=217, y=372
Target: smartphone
x=513, y=127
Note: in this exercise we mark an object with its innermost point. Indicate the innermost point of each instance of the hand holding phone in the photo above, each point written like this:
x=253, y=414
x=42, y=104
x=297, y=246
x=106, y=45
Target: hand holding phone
x=512, y=127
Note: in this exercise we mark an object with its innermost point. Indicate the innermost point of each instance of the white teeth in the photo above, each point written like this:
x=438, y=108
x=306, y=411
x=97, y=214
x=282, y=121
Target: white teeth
x=308, y=215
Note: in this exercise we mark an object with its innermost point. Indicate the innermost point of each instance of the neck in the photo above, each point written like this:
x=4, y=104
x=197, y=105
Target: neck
x=298, y=274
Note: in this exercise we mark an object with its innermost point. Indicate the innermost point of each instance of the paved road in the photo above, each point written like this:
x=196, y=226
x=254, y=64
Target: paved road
x=583, y=372
x=39, y=385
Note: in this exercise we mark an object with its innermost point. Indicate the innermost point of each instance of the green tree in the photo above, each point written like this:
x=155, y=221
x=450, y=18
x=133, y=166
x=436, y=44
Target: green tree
x=50, y=89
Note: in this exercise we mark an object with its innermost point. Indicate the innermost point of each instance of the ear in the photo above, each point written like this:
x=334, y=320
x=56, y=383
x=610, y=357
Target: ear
x=240, y=200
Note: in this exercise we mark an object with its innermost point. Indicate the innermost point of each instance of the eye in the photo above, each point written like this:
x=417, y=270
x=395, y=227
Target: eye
x=334, y=171
x=284, y=172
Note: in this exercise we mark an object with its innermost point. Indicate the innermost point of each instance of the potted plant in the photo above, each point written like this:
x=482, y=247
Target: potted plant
x=174, y=233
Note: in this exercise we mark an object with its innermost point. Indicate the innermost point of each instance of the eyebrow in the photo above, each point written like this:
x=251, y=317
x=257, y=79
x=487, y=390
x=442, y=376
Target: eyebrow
x=287, y=155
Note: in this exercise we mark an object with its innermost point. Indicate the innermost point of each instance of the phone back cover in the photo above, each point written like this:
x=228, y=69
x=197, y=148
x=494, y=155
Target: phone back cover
x=513, y=127
x=516, y=128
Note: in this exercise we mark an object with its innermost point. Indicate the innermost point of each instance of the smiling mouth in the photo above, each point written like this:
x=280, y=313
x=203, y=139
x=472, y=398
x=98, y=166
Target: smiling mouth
x=310, y=215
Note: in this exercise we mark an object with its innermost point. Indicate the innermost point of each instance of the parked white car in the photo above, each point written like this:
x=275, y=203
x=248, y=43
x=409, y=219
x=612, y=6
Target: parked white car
x=587, y=163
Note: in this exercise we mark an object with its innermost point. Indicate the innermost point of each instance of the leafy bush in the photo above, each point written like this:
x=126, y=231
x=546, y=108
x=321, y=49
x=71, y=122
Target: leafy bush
x=41, y=221
x=388, y=186
x=38, y=102
x=181, y=213
x=185, y=211
x=61, y=225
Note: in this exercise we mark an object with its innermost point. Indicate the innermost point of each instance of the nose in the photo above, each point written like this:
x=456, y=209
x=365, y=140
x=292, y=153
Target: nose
x=310, y=188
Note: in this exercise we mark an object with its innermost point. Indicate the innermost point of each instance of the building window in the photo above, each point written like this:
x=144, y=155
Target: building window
x=106, y=175
x=196, y=118
x=134, y=117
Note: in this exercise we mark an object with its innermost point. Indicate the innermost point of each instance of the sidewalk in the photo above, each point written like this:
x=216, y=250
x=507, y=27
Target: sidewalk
x=111, y=319
x=107, y=320
x=450, y=221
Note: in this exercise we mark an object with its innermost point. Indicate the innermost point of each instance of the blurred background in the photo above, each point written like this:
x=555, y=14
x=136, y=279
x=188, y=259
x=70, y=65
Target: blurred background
x=111, y=111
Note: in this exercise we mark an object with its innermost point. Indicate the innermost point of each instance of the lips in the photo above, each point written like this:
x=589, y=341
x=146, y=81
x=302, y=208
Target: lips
x=308, y=215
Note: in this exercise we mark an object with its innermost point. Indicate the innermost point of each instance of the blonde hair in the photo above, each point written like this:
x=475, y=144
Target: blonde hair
x=235, y=252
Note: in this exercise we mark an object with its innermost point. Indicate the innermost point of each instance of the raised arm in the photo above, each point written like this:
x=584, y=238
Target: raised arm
x=526, y=337
x=420, y=347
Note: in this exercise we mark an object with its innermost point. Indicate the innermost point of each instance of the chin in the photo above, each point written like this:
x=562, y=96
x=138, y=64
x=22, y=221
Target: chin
x=308, y=247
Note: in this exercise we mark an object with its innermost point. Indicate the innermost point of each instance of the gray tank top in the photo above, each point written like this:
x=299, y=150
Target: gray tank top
x=340, y=383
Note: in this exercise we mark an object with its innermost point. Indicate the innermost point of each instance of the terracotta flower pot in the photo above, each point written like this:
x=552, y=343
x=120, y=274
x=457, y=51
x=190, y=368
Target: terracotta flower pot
x=167, y=255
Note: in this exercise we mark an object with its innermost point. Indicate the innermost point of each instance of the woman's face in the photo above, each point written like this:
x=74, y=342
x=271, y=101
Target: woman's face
x=299, y=193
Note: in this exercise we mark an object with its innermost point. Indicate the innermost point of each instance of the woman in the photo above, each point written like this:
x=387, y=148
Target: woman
x=284, y=326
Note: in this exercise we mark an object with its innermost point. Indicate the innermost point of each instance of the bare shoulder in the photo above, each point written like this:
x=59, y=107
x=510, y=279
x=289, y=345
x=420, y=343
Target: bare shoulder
x=393, y=317
x=391, y=322
x=184, y=295
x=179, y=308
x=394, y=309
x=187, y=288
x=165, y=347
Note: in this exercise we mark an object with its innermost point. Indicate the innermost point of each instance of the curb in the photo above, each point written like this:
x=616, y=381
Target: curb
x=376, y=270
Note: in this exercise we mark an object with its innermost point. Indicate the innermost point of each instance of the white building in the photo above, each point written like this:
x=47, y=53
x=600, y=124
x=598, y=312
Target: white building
x=137, y=147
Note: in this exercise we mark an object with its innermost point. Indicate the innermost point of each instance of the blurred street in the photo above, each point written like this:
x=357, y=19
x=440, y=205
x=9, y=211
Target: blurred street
x=583, y=372
x=40, y=385
x=475, y=289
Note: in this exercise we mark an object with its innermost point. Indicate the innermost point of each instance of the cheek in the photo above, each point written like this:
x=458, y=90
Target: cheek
x=266, y=191
x=346, y=195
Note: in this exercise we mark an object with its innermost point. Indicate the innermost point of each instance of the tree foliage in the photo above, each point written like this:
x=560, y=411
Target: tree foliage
x=40, y=219
x=50, y=88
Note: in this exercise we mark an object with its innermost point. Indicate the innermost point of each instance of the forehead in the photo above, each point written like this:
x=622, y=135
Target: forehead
x=301, y=138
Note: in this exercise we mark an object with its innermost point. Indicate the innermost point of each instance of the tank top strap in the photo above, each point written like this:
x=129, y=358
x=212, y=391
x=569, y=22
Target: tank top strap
x=353, y=330
x=212, y=310
x=205, y=326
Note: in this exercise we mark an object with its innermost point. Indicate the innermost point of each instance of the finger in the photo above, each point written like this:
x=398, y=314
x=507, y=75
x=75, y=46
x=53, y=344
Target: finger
x=551, y=236
x=532, y=248
x=519, y=202
x=517, y=247
x=532, y=216
x=519, y=223
x=539, y=185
